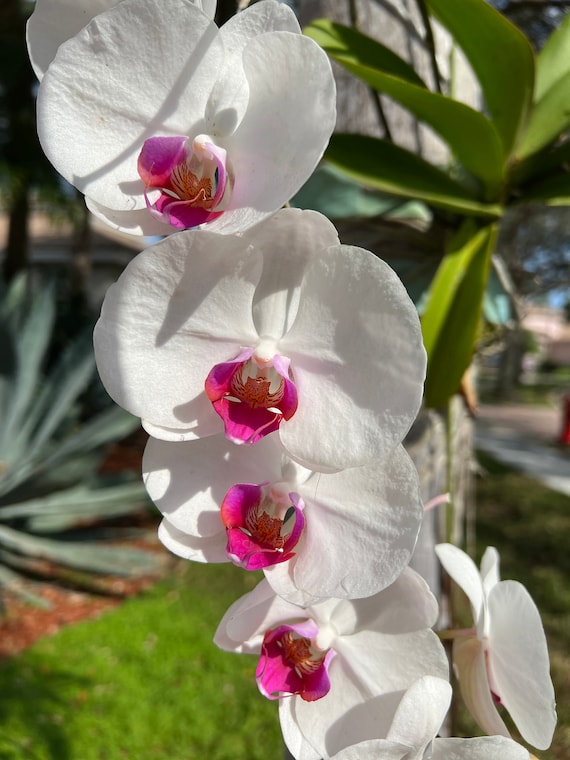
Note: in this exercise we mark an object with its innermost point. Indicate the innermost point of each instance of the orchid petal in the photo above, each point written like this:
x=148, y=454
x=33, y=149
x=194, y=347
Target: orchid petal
x=344, y=717
x=362, y=526
x=138, y=222
x=405, y=606
x=259, y=19
x=54, y=22
x=288, y=240
x=208, y=549
x=419, y=653
x=157, y=332
x=359, y=397
x=243, y=626
x=230, y=95
x=519, y=664
x=409, y=727
x=100, y=130
x=421, y=713
x=483, y=748
x=471, y=670
x=464, y=572
x=373, y=750
x=489, y=569
x=294, y=66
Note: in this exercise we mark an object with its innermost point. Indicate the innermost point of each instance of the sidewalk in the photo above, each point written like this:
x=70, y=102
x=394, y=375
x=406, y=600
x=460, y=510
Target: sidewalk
x=525, y=438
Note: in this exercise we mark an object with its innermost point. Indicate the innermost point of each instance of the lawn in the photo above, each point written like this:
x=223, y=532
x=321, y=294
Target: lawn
x=146, y=682
x=142, y=682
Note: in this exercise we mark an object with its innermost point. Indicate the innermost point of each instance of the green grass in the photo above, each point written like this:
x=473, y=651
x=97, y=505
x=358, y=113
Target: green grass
x=144, y=682
x=530, y=527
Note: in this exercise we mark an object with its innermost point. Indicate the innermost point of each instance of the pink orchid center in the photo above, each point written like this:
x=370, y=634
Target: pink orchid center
x=263, y=525
x=251, y=395
x=292, y=664
x=191, y=176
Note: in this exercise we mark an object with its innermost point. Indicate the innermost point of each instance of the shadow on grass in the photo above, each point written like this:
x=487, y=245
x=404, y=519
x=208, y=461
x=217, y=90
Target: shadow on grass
x=31, y=696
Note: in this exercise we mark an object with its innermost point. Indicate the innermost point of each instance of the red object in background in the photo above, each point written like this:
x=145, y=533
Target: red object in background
x=565, y=434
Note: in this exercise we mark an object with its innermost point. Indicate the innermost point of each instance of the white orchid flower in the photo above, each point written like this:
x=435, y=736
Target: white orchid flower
x=55, y=21
x=316, y=535
x=335, y=659
x=278, y=331
x=166, y=122
x=505, y=659
x=409, y=731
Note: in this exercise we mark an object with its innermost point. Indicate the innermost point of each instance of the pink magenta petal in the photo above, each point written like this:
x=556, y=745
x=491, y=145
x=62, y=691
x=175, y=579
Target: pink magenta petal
x=291, y=664
x=240, y=392
x=181, y=214
x=254, y=523
x=158, y=157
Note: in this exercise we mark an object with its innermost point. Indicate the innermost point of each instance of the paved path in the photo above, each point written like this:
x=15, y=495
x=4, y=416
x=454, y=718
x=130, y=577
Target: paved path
x=525, y=438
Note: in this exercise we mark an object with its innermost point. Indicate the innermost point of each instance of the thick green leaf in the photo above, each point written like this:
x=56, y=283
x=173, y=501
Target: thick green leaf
x=452, y=313
x=31, y=344
x=57, y=394
x=501, y=57
x=69, y=509
x=391, y=169
x=81, y=555
x=472, y=137
x=553, y=61
x=354, y=46
x=549, y=118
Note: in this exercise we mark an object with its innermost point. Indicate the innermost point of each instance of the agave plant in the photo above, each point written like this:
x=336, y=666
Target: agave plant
x=50, y=488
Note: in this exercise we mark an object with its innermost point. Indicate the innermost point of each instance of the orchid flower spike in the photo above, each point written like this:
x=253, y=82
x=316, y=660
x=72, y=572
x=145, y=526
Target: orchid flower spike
x=204, y=126
x=505, y=660
x=408, y=732
x=335, y=659
x=279, y=331
x=315, y=535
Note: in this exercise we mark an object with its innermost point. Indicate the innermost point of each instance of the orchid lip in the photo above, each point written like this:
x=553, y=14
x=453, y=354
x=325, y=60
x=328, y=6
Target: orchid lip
x=251, y=395
x=192, y=178
x=292, y=664
x=263, y=525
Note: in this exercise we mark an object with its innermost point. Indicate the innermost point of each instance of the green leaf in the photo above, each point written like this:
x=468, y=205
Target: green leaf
x=472, y=137
x=81, y=555
x=352, y=45
x=452, y=313
x=501, y=57
x=549, y=119
x=72, y=507
x=58, y=392
x=553, y=61
x=391, y=169
x=31, y=346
